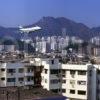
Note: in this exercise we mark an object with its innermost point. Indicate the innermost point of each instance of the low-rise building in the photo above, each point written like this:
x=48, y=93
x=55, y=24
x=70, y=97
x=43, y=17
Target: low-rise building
x=76, y=81
x=20, y=73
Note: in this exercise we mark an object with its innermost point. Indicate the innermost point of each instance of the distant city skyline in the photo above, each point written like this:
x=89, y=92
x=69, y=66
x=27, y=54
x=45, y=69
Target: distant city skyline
x=23, y=12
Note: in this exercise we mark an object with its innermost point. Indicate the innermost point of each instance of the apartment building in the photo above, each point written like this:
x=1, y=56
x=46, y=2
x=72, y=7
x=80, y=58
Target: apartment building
x=20, y=73
x=75, y=81
x=15, y=74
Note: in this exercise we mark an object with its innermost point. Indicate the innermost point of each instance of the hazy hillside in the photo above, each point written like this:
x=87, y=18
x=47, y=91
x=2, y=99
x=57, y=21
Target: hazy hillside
x=53, y=26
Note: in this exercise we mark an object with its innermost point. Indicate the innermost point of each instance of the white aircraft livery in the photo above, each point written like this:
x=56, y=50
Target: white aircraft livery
x=30, y=29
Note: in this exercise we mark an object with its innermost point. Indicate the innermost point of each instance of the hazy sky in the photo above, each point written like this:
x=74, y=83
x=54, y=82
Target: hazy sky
x=23, y=12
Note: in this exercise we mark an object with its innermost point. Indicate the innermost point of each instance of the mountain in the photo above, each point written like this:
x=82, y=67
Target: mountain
x=54, y=26
x=9, y=32
x=95, y=30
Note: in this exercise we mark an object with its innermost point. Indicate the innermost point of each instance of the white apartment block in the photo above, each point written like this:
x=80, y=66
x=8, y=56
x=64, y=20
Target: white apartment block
x=19, y=73
x=75, y=81
x=16, y=74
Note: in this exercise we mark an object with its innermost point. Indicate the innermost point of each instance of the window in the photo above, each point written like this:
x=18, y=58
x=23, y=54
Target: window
x=2, y=69
x=11, y=79
x=81, y=92
x=98, y=90
x=63, y=90
x=10, y=70
x=30, y=78
x=98, y=81
x=98, y=71
x=45, y=80
x=81, y=72
x=54, y=71
x=63, y=73
x=72, y=91
x=72, y=72
x=45, y=71
x=30, y=70
x=72, y=82
x=21, y=79
x=63, y=81
x=52, y=61
x=55, y=81
x=81, y=82
x=21, y=70
x=3, y=78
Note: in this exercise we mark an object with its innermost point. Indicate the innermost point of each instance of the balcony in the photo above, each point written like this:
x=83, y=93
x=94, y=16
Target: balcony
x=29, y=83
x=29, y=74
x=11, y=74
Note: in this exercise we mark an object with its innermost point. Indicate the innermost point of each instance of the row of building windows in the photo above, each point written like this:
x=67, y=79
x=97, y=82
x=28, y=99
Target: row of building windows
x=55, y=81
x=20, y=70
x=72, y=72
x=19, y=79
x=63, y=72
x=72, y=82
x=2, y=69
x=79, y=92
x=11, y=79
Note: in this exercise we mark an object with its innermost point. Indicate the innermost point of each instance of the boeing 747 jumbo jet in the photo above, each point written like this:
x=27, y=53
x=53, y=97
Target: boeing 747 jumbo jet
x=30, y=29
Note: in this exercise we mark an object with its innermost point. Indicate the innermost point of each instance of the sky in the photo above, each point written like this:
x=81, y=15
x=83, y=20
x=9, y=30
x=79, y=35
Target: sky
x=24, y=12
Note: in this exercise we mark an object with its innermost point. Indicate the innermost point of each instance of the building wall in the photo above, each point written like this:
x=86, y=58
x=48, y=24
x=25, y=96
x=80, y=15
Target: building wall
x=9, y=74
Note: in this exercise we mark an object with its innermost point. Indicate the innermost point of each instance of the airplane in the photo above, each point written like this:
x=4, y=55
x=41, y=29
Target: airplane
x=28, y=30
